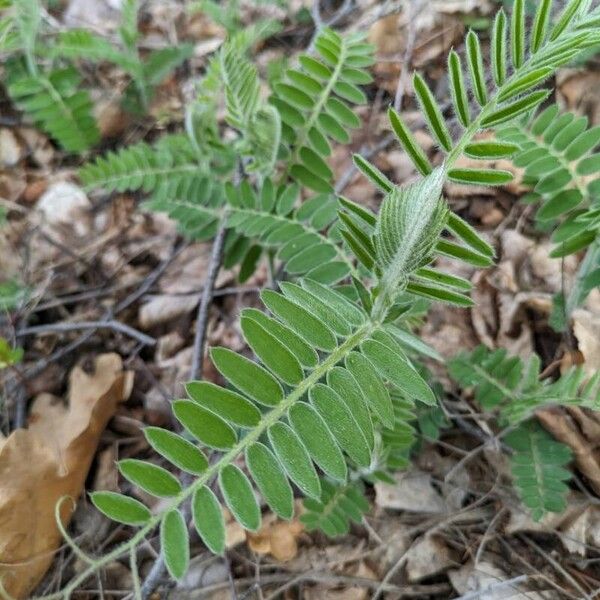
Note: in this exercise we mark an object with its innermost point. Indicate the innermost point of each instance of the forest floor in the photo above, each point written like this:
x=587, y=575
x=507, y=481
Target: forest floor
x=108, y=322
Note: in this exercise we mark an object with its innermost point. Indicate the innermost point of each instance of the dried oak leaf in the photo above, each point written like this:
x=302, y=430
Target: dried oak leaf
x=48, y=460
x=277, y=538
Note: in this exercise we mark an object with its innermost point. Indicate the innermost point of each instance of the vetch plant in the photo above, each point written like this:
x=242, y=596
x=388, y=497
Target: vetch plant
x=513, y=388
x=315, y=407
x=557, y=154
x=146, y=72
x=51, y=96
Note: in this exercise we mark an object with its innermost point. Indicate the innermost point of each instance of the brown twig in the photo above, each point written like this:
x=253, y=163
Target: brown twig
x=411, y=15
x=214, y=266
x=113, y=325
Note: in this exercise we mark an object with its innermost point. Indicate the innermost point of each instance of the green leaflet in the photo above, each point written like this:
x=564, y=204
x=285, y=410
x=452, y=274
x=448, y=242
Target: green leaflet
x=204, y=425
x=247, y=376
x=270, y=479
x=208, y=519
x=432, y=111
x=458, y=89
x=398, y=371
x=272, y=352
x=480, y=176
x=225, y=403
x=151, y=478
x=175, y=544
x=177, y=450
x=372, y=387
x=409, y=143
x=515, y=109
x=559, y=204
x=540, y=24
x=306, y=355
x=122, y=509
x=491, y=149
x=342, y=381
x=318, y=440
x=239, y=497
x=499, y=48
x=316, y=306
x=336, y=302
x=292, y=454
x=467, y=234
x=372, y=173
x=309, y=327
x=440, y=294
x=475, y=60
x=464, y=254
x=518, y=33
x=342, y=423
x=525, y=83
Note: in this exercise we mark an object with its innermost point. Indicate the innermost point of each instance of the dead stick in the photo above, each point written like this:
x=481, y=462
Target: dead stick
x=113, y=325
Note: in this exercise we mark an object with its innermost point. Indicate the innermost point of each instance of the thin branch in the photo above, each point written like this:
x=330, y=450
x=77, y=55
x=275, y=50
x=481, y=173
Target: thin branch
x=214, y=266
x=412, y=12
x=113, y=325
x=491, y=589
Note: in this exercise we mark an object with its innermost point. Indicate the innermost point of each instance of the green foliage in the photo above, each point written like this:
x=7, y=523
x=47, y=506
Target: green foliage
x=51, y=97
x=507, y=383
x=512, y=95
x=337, y=507
x=316, y=410
x=557, y=154
x=9, y=356
x=12, y=295
x=538, y=468
x=169, y=170
x=313, y=101
x=331, y=394
x=379, y=251
x=146, y=72
x=512, y=387
x=57, y=105
x=303, y=239
x=227, y=14
x=259, y=123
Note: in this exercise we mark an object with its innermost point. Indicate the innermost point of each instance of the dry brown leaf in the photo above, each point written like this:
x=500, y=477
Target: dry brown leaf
x=586, y=327
x=326, y=591
x=579, y=91
x=11, y=150
x=413, y=492
x=48, y=460
x=427, y=556
x=485, y=578
x=277, y=538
